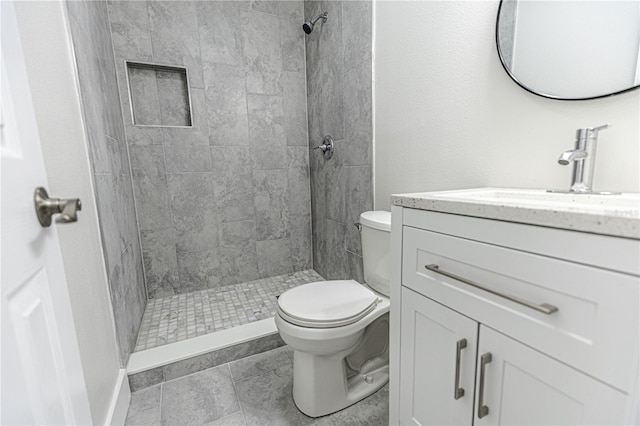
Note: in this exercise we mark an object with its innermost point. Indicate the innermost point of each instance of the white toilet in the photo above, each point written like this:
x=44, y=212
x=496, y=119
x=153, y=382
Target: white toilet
x=339, y=330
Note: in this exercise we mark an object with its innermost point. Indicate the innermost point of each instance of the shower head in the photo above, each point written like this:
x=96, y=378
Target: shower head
x=308, y=26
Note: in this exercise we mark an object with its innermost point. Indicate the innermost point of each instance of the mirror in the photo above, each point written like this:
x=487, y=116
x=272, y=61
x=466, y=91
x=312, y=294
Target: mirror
x=570, y=49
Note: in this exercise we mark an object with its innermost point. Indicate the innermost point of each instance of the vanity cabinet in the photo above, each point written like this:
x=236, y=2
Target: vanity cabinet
x=520, y=385
x=504, y=323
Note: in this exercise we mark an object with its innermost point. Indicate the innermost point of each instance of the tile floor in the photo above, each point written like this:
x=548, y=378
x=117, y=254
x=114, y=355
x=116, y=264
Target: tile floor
x=175, y=318
x=251, y=391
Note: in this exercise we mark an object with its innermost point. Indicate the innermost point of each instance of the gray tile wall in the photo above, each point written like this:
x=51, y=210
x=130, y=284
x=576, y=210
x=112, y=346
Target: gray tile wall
x=339, y=102
x=228, y=200
x=89, y=25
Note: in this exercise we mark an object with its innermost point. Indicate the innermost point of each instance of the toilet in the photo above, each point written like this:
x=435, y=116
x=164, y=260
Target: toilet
x=339, y=330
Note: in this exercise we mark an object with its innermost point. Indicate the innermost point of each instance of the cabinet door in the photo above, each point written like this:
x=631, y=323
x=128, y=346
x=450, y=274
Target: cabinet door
x=436, y=342
x=523, y=386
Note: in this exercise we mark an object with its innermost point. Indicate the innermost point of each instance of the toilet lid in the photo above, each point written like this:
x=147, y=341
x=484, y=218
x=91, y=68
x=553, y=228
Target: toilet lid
x=326, y=304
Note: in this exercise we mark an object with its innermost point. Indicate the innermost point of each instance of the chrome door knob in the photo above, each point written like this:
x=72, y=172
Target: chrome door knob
x=46, y=207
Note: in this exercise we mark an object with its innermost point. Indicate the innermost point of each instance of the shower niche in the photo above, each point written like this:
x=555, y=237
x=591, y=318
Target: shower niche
x=159, y=95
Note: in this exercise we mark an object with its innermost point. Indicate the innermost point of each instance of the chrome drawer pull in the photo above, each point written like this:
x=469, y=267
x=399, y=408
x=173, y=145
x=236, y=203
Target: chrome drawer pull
x=458, y=392
x=483, y=410
x=545, y=308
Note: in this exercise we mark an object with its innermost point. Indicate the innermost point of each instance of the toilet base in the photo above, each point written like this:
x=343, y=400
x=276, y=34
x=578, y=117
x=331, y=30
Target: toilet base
x=321, y=387
x=326, y=383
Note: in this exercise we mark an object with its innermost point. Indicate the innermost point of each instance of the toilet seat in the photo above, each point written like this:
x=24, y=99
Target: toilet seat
x=327, y=304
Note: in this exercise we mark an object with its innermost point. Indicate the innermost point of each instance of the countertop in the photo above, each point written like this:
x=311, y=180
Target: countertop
x=616, y=215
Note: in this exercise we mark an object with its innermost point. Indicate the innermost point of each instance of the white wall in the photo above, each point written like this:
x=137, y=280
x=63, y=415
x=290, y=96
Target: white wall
x=448, y=116
x=48, y=56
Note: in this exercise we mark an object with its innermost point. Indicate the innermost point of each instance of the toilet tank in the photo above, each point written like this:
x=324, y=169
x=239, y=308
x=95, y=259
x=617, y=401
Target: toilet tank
x=376, y=244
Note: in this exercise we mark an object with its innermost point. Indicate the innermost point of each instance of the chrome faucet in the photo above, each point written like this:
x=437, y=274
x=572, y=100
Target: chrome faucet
x=583, y=157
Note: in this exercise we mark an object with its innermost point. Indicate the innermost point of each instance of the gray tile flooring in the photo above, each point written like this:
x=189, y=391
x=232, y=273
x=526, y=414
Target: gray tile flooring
x=256, y=390
x=175, y=318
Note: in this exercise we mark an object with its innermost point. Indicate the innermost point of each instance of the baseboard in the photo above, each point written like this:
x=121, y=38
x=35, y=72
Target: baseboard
x=119, y=401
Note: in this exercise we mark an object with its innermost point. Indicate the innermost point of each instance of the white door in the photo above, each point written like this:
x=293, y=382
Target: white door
x=524, y=387
x=437, y=343
x=42, y=379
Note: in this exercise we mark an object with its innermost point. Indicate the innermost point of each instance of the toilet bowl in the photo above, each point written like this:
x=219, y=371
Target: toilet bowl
x=339, y=330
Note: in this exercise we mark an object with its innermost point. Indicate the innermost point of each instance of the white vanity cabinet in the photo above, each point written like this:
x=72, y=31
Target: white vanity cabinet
x=537, y=325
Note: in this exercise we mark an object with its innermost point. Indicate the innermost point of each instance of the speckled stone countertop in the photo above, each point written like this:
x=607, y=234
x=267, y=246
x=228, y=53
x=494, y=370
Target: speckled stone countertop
x=617, y=215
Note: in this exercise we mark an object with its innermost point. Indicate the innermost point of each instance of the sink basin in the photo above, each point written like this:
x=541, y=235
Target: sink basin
x=616, y=214
x=627, y=205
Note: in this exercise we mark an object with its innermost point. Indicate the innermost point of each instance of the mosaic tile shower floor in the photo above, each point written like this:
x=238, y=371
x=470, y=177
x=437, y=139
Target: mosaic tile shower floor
x=175, y=318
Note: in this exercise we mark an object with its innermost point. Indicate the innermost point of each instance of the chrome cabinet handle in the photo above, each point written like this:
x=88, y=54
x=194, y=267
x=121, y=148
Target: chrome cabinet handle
x=545, y=308
x=483, y=410
x=458, y=392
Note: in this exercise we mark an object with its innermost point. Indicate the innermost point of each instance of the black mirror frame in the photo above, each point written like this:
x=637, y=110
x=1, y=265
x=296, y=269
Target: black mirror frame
x=543, y=95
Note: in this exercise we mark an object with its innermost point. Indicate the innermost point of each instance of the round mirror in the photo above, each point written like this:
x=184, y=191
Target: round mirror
x=570, y=49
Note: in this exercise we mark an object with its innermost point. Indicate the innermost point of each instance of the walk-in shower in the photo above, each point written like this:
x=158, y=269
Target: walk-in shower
x=202, y=227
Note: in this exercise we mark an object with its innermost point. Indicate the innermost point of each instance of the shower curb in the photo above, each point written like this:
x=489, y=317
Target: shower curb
x=175, y=370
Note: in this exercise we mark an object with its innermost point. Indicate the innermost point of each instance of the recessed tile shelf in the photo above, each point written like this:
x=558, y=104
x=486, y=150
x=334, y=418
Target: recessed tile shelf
x=159, y=95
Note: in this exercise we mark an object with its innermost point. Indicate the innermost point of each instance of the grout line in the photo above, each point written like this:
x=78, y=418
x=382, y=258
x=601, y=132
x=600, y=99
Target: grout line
x=235, y=391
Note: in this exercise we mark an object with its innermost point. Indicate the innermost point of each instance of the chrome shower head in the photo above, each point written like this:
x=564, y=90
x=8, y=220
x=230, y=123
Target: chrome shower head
x=308, y=26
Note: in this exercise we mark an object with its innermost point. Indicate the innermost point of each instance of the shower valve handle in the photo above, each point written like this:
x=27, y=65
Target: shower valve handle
x=326, y=147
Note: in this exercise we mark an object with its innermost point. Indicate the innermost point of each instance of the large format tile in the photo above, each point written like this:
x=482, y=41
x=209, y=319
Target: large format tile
x=220, y=30
x=300, y=244
x=264, y=83
x=336, y=256
x=174, y=36
x=335, y=186
x=193, y=211
x=291, y=36
x=238, y=255
x=258, y=364
x=199, y=270
x=261, y=45
x=249, y=348
x=359, y=199
x=265, y=6
x=187, y=149
x=144, y=408
x=266, y=129
x=274, y=257
x=130, y=29
x=188, y=366
x=233, y=182
x=271, y=204
x=226, y=104
x=145, y=379
x=199, y=399
x=150, y=186
x=236, y=419
x=298, y=176
x=295, y=108
x=358, y=116
x=357, y=20
x=356, y=270
x=133, y=300
x=160, y=261
x=91, y=36
x=266, y=399
x=106, y=188
x=371, y=411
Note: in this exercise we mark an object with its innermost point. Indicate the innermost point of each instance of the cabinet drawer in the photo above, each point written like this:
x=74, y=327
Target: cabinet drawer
x=594, y=329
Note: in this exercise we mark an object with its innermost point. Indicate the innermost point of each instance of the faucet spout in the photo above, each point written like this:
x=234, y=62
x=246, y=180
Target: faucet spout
x=572, y=155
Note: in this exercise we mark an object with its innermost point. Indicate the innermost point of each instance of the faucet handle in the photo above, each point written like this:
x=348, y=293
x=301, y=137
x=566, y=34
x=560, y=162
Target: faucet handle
x=590, y=132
